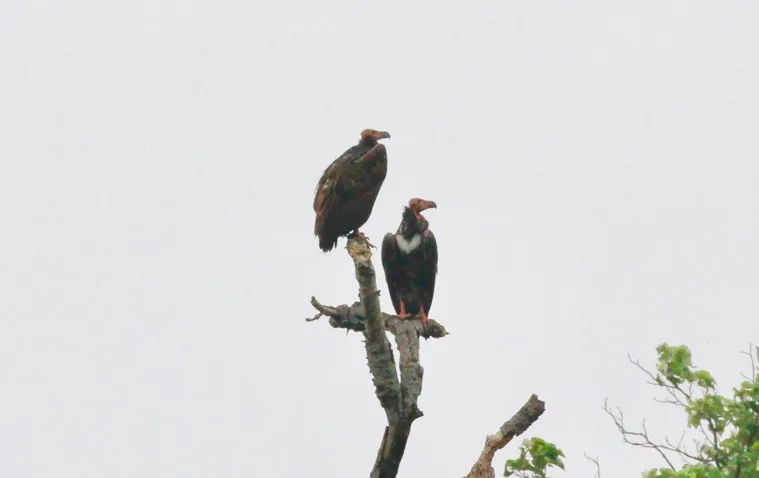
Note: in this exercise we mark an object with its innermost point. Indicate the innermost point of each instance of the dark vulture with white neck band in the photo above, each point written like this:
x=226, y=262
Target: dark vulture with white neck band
x=409, y=258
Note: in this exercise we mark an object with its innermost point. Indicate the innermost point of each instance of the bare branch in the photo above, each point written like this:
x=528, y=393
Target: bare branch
x=752, y=358
x=707, y=438
x=669, y=402
x=682, y=437
x=683, y=452
x=672, y=392
x=598, y=465
x=351, y=317
x=379, y=354
x=515, y=426
x=323, y=310
x=636, y=362
x=688, y=394
x=642, y=439
x=407, y=340
x=397, y=397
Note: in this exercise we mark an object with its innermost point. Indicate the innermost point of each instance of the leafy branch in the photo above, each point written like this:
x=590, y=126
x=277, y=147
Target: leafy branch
x=728, y=426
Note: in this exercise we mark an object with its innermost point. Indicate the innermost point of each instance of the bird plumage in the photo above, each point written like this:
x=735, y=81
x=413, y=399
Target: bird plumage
x=348, y=188
x=409, y=258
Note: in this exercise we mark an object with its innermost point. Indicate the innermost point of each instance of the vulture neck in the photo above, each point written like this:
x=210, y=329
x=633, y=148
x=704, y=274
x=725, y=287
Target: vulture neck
x=409, y=234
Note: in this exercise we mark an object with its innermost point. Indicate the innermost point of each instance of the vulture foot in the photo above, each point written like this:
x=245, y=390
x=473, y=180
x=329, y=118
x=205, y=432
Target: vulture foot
x=361, y=235
x=423, y=316
x=403, y=314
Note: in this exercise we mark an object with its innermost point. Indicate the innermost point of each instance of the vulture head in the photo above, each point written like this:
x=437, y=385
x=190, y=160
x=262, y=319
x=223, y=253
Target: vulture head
x=417, y=205
x=372, y=135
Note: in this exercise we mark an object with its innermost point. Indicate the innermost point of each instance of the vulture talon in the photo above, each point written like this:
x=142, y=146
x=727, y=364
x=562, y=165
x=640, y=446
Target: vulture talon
x=360, y=235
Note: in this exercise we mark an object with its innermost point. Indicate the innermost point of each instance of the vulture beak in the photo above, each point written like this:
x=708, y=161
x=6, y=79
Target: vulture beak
x=427, y=205
x=383, y=135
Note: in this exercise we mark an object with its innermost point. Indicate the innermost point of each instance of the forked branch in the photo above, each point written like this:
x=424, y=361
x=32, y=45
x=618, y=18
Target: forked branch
x=398, y=397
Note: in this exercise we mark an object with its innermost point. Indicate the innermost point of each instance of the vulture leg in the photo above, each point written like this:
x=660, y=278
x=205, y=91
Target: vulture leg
x=403, y=314
x=423, y=315
x=359, y=234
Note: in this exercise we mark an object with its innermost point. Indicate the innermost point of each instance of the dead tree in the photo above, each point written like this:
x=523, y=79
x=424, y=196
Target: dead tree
x=399, y=397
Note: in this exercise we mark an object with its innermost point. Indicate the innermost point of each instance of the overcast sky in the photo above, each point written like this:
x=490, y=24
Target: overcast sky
x=595, y=168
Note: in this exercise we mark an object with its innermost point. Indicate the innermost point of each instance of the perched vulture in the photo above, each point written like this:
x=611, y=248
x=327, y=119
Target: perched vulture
x=409, y=258
x=347, y=190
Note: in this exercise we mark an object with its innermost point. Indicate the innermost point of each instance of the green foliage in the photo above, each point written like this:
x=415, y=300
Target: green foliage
x=729, y=425
x=535, y=457
x=688, y=471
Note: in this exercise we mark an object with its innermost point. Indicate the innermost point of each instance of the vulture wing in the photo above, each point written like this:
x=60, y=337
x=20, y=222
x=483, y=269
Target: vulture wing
x=389, y=264
x=336, y=183
x=427, y=270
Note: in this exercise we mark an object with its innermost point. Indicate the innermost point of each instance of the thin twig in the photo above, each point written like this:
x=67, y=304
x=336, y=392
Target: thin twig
x=669, y=446
x=646, y=441
x=751, y=356
x=598, y=465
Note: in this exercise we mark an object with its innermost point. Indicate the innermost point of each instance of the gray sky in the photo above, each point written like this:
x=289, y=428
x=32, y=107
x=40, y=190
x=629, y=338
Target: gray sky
x=595, y=167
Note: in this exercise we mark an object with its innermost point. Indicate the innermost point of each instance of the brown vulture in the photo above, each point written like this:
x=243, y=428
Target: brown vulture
x=409, y=258
x=348, y=188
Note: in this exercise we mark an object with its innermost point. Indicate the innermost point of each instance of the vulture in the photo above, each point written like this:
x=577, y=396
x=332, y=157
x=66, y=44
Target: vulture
x=348, y=188
x=409, y=258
